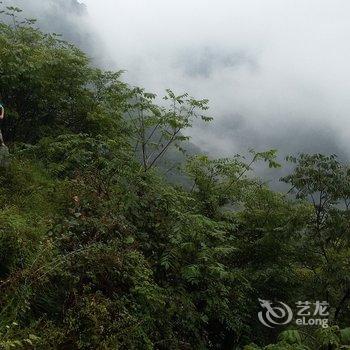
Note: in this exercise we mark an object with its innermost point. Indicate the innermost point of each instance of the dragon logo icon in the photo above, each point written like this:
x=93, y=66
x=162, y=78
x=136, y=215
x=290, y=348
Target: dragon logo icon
x=277, y=315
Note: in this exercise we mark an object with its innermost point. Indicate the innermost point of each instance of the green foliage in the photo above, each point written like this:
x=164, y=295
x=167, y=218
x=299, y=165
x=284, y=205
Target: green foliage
x=7, y=342
x=290, y=337
x=345, y=336
x=325, y=338
x=156, y=129
x=98, y=251
x=323, y=247
x=48, y=87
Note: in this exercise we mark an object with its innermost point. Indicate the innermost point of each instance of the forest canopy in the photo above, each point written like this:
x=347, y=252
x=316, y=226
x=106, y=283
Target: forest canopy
x=99, y=250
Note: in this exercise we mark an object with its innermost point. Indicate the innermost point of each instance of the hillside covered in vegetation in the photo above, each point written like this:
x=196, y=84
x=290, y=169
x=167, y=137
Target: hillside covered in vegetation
x=98, y=250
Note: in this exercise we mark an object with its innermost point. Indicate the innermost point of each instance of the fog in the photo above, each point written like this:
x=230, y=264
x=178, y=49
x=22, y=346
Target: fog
x=276, y=72
x=69, y=18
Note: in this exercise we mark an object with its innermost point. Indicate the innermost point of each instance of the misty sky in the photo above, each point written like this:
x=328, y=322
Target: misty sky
x=276, y=71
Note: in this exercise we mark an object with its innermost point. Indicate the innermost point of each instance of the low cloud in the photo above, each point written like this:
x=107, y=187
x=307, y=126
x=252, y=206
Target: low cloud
x=276, y=72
